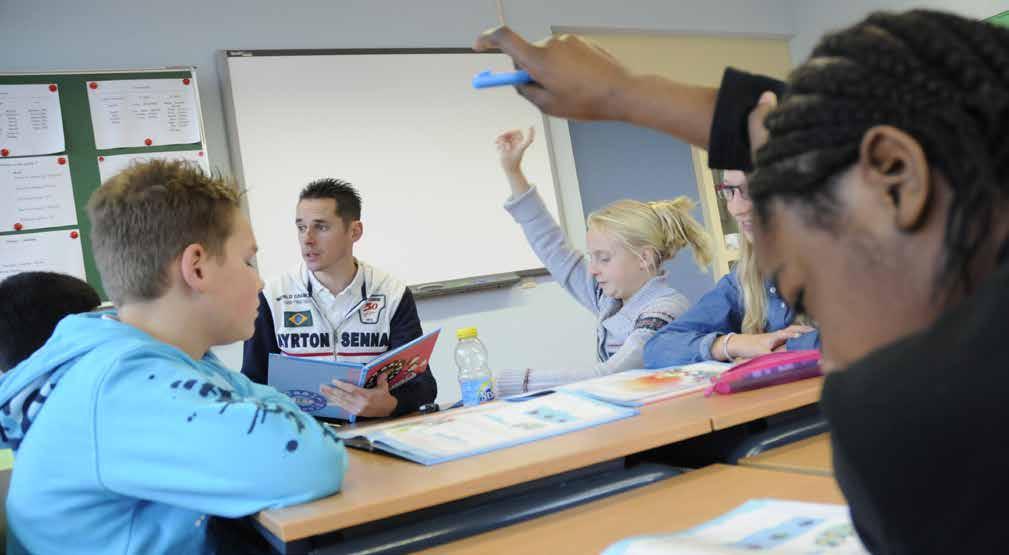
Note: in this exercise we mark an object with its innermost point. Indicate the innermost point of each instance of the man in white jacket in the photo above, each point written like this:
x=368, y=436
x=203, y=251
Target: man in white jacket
x=334, y=306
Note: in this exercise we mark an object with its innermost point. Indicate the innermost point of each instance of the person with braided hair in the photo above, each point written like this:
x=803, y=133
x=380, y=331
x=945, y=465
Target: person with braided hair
x=621, y=280
x=880, y=201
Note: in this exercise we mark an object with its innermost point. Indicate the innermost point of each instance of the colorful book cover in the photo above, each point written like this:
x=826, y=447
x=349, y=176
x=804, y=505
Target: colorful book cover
x=404, y=363
x=634, y=388
x=306, y=380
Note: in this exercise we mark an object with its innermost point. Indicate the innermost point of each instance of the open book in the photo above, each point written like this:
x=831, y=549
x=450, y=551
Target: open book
x=307, y=381
x=634, y=388
x=460, y=433
x=758, y=526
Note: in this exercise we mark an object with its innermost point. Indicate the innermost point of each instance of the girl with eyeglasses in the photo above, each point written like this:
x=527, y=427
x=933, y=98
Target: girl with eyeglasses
x=743, y=316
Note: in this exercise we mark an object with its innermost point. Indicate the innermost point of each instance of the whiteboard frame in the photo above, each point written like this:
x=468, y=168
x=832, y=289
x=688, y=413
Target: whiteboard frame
x=420, y=290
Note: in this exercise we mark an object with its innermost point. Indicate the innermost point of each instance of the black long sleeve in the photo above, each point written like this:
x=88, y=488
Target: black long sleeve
x=257, y=348
x=729, y=145
x=404, y=328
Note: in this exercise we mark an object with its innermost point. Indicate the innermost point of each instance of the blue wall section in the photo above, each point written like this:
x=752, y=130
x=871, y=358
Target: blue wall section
x=616, y=161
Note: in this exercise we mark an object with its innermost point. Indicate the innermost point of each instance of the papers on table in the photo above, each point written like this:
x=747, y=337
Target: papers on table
x=30, y=120
x=37, y=193
x=109, y=166
x=49, y=251
x=143, y=112
x=758, y=526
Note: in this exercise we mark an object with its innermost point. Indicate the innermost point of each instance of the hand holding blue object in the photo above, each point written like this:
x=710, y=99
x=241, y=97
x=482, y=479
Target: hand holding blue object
x=486, y=79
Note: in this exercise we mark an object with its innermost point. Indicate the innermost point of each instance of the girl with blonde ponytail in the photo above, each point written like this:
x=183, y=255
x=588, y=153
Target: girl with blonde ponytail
x=620, y=280
x=742, y=317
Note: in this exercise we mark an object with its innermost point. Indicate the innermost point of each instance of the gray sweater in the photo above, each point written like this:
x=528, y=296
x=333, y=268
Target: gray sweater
x=622, y=327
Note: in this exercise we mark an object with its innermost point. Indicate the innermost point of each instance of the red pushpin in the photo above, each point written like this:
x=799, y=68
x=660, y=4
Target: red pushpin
x=18, y=226
x=185, y=81
x=4, y=152
x=93, y=85
x=148, y=142
x=61, y=160
x=101, y=158
x=200, y=153
x=74, y=235
x=52, y=88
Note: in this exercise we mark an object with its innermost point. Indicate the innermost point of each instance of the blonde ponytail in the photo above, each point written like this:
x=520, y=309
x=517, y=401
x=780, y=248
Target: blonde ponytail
x=681, y=229
x=655, y=231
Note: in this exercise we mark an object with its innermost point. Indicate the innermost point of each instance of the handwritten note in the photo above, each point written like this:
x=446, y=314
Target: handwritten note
x=143, y=112
x=30, y=120
x=37, y=193
x=45, y=251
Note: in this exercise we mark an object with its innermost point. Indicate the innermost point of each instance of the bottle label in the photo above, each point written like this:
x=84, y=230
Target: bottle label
x=475, y=392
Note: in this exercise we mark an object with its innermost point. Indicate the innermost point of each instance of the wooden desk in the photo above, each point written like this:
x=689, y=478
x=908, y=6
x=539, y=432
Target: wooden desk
x=672, y=505
x=379, y=486
x=809, y=456
x=730, y=410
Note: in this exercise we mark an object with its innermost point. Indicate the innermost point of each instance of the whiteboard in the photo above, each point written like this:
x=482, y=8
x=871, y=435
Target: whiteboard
x=407, y=129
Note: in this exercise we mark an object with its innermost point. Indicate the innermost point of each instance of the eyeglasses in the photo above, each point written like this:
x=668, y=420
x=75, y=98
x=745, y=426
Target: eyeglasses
x=728, y=192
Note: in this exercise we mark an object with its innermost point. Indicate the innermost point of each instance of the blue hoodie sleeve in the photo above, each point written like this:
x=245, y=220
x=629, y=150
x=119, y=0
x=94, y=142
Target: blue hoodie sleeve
x=688, y=338
x=196, y=435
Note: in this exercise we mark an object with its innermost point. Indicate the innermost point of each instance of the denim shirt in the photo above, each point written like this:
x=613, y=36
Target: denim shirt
x=720, y=311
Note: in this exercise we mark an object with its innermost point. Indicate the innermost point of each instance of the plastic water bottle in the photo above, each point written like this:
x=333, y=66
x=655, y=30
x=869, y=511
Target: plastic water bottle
x=475, y=378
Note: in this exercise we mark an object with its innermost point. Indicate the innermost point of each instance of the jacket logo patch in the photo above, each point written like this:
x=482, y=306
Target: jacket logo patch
x=298, y=319
x=372, y=309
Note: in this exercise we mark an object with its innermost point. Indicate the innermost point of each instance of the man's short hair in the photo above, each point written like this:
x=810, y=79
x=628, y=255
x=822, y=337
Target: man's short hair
x=31, y=304
x=348, y=201
x=144, y=217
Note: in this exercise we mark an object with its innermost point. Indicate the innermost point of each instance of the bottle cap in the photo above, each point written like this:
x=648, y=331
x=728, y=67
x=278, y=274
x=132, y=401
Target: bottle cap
x=465, y=333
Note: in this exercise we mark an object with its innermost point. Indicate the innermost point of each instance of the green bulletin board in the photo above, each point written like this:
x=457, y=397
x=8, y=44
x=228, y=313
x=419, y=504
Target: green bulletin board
x=81, y=151
x=1000, y=19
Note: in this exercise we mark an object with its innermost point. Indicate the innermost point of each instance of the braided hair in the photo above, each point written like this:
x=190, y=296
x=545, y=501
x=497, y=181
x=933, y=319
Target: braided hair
x=941, y=78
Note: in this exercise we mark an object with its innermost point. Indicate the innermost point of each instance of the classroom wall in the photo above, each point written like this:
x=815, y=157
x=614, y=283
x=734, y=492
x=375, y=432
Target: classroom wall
x=537, y=326
x=813, y=18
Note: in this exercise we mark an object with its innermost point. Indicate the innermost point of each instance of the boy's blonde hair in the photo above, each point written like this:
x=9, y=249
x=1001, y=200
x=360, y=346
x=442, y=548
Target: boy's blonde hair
x=655, y=231
x=144, y=217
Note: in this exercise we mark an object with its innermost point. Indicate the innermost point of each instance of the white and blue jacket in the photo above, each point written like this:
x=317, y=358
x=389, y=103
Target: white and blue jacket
x=299, y=316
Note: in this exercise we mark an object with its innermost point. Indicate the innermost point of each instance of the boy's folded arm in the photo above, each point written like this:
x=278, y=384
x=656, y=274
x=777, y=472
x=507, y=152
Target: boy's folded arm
x=173, y=434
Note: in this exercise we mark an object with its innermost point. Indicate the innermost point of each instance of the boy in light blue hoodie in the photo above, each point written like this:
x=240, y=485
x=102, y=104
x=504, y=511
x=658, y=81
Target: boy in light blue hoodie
x=129, y=434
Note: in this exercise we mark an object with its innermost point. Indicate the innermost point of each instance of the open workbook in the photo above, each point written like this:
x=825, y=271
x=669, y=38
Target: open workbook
x=308, y=381
x=465, y=432
x=763, y=526
x=459, y=433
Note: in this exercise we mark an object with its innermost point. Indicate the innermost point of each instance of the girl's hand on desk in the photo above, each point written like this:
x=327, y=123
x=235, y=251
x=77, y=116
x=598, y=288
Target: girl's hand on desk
x=744, y=345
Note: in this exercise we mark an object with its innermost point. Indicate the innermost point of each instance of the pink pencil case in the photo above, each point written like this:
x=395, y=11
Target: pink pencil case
x=769, y=369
